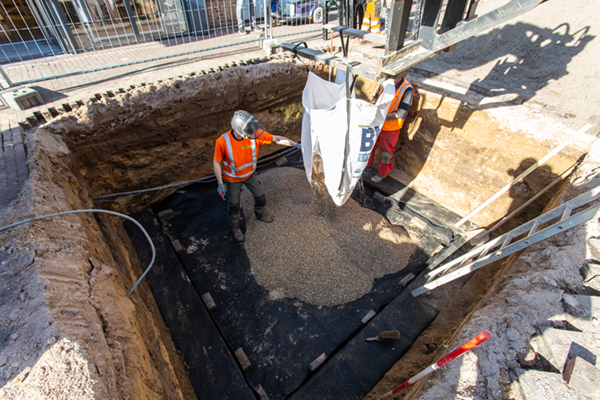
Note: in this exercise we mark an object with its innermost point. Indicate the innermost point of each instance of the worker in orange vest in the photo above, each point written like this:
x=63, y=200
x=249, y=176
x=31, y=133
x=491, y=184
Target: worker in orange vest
x=372, y=18
x=235, y=163
x=390, y=131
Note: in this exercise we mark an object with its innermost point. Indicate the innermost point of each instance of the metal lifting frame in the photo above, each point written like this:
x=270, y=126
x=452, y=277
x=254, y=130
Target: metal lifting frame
x=483, y=254
x=458, y=23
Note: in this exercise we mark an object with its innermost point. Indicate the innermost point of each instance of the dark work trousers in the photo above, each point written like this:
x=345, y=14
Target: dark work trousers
x=234, y=189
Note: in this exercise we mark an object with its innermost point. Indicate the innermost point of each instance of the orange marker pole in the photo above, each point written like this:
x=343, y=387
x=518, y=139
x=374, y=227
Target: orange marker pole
x=471, y=344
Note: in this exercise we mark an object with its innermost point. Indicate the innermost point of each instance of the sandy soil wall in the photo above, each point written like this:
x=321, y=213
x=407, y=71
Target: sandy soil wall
x=73, y=333
x=165, y=132
x=527, y=304
x=467, y=155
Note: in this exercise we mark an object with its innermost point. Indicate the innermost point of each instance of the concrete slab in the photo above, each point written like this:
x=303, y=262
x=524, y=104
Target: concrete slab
x=592, y=276
x=540, y=385
x=581, y=313
x=558, y=345
x=583, y=376
x=590, y=305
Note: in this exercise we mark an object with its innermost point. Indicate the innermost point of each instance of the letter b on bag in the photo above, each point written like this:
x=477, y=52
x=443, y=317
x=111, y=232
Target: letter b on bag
x=368, y=139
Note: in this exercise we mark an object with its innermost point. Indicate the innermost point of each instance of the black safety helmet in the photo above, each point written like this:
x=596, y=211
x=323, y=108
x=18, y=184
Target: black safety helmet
x=246, y=124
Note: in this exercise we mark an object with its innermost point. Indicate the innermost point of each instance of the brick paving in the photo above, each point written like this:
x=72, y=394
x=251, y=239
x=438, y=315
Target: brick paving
x=128, y=58
x=13, y=163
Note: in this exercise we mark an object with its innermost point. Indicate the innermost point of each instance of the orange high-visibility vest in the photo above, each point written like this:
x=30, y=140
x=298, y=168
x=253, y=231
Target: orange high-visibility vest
x=239, y=162
x=396, y=124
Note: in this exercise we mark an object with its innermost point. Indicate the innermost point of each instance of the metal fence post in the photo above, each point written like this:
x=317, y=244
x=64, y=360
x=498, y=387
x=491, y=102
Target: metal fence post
x=6, y=79
x=67, y=35
x=129, y=12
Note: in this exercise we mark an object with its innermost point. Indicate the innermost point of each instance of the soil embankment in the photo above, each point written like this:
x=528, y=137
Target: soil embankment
x=68, y=323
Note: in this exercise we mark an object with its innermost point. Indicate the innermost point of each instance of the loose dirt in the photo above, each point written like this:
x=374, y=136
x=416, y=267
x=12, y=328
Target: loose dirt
x=307, y=255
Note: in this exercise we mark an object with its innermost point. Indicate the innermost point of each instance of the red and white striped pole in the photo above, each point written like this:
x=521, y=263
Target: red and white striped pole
x=471, y=344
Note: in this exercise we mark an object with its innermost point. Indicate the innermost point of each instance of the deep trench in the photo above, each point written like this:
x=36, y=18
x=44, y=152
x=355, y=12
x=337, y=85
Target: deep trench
x=341, y=322
x=164, y=134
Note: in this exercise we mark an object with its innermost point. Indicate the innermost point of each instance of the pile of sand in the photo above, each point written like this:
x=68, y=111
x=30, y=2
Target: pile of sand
x=311, y=256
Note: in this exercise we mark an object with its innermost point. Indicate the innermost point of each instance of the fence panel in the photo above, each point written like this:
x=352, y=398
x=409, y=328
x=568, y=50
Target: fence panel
x=43, y=40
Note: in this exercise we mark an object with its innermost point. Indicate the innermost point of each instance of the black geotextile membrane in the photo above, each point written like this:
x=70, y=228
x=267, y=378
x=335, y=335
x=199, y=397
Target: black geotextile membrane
x=213, y=371
x=411, y=203
x=280, y=337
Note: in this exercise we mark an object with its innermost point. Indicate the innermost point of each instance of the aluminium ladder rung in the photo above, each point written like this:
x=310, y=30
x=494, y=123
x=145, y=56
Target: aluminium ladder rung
x=463, y=262
x=530, y=227
x=532, y=238
x=484, y=252
x=567, y=213
x=506, y=242
x=534, y=228
x=559, y=227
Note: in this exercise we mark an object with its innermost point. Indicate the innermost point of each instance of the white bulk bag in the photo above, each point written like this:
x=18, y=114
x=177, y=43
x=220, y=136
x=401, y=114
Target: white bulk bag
x=325, y=128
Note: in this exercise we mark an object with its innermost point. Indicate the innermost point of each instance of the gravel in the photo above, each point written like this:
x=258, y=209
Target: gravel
x=317, y=257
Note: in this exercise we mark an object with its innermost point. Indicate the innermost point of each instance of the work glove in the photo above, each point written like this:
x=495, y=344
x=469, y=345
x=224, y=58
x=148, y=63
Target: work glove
x=221, y=190
x=298, y=146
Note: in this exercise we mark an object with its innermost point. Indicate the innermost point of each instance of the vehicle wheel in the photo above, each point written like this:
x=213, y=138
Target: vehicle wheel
x=318, y=15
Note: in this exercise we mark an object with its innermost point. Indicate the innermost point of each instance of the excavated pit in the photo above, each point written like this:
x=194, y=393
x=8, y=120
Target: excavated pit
x=451, y=158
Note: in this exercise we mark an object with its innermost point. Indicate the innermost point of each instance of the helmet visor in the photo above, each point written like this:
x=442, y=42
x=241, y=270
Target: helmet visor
x=253, y=129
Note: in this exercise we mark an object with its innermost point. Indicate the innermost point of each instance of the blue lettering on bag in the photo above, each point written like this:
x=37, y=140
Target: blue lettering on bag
x=368, y=136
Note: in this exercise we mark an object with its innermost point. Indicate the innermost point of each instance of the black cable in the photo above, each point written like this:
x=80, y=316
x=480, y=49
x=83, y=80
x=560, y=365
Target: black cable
x=206, y=179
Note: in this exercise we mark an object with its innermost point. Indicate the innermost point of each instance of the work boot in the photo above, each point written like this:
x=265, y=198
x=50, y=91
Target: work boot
x=237, y=234
x=264, y=218
x=377, y=178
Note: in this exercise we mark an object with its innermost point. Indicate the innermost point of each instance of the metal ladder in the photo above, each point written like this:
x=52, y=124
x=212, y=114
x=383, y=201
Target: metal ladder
x=486, y=254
